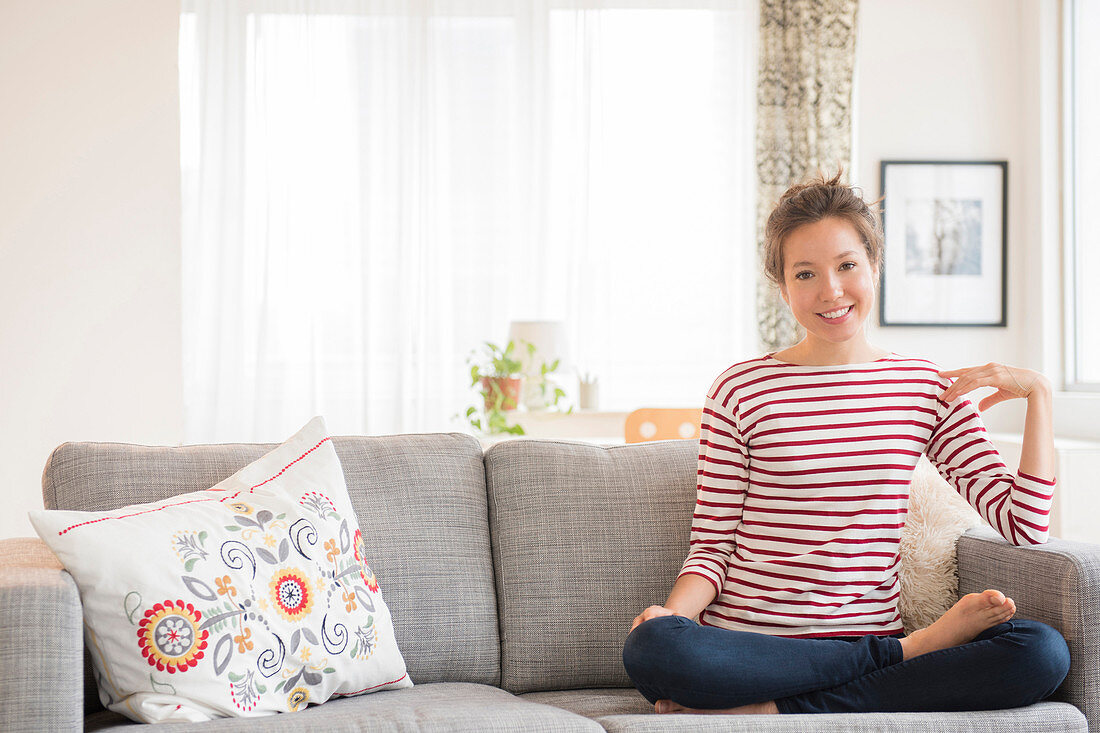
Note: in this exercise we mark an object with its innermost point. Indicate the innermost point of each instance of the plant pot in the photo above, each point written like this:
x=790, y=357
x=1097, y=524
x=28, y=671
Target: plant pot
x=509, y=386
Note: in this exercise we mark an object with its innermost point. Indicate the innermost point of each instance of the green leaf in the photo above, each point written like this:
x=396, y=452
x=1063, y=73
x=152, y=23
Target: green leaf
x=233, y=677
x=202, y=537
x=281, y=516
x=355, y=649
x=280, y=686
x=471, y=411
x=261, y=689
x=233, y=528
x=329, y=670
x=190, y=564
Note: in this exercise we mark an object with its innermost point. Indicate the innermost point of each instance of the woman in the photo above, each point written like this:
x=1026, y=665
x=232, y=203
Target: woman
x=805, y=461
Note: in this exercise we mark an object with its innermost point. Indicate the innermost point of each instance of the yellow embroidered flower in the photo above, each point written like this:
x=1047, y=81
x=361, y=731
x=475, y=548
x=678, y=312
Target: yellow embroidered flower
x=293, y=594
x=269, y=540
x=225, y=587
x=333, y=551
x=349, y=601
x=298, y=699
x=239, y=507
x=242, y=640
x=306, y=652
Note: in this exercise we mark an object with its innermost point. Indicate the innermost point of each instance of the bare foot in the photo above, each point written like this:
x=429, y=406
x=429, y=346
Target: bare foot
x=973, y=614
x=758, y=708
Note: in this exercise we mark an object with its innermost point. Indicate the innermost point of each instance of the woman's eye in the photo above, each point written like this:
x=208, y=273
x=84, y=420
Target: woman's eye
x=799, y=275
x=847, y=266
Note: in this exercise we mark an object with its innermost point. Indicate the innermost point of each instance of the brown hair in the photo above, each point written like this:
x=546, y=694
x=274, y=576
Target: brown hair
x=810, y=202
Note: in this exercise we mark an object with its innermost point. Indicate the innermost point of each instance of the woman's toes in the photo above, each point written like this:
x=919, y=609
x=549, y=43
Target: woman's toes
x=994, y=597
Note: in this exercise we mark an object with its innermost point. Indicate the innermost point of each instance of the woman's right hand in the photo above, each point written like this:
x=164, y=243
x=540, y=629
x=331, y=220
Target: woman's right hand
x=652, y=612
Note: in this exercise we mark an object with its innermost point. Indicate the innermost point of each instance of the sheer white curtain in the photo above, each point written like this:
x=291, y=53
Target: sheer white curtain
x=372, y=189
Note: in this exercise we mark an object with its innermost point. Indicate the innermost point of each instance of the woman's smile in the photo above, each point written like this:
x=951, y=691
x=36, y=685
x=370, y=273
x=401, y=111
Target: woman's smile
x=837, y=315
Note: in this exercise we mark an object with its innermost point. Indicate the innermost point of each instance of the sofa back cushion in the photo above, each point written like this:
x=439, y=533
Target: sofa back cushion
x=421, y=503
x=584, y=538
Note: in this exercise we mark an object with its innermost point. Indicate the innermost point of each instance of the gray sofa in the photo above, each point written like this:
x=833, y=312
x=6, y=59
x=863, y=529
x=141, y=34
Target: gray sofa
x=513, y=576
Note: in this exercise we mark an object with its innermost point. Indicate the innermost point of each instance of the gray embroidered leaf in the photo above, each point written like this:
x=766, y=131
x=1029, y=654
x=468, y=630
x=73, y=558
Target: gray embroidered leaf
x=223, y=652
x=199, y=588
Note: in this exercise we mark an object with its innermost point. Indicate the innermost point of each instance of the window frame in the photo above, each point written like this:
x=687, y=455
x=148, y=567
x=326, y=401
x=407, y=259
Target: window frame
x=1072, y=275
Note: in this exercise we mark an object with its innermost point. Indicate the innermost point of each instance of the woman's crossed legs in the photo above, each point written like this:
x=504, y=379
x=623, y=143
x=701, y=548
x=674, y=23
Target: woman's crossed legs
x=706, y=669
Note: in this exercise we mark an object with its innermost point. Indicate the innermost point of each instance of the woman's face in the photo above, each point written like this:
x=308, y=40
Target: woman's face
x=828, y=282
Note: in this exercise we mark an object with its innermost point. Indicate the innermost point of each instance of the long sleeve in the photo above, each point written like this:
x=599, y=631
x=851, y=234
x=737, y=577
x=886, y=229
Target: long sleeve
x=1018, y=507
x=722, y=481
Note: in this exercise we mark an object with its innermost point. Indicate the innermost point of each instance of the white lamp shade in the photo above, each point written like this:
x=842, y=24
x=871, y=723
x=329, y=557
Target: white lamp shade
x=547, y=336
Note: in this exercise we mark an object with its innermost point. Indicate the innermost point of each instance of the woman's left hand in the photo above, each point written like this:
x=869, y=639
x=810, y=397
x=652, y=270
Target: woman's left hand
x=1010, y=382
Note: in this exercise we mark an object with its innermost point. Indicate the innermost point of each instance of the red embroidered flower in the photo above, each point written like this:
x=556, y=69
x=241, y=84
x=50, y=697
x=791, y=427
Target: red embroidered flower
x=170, y=638
x=292, y=593
x=361, y=557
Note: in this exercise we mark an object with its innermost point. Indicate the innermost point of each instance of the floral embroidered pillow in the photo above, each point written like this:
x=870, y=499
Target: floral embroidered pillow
x=249, y=598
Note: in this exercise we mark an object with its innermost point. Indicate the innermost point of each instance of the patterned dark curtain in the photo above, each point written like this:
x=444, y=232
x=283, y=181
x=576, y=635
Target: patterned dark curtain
x=804, y=119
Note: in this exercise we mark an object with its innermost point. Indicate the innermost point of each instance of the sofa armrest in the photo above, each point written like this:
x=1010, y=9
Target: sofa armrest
x=1057, y=583
x=41, y=641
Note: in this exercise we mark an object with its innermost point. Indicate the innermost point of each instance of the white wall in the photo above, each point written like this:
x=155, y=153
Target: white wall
x=949, y=80
x=89, y=233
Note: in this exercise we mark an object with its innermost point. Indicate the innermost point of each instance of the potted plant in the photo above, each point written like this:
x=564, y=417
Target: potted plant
x=497, y=372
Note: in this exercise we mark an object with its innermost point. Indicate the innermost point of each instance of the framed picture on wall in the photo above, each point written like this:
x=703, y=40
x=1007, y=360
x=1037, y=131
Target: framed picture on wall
x=946, y=243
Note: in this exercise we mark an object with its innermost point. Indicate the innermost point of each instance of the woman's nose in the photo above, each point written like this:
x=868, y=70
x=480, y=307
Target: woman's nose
x=832, y=288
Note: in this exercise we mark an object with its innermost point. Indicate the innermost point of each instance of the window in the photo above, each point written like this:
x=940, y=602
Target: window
x=1083, y=193
x=370, y=192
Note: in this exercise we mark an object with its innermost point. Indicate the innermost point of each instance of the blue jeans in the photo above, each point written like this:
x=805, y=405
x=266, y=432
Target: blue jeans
x=1008, y=665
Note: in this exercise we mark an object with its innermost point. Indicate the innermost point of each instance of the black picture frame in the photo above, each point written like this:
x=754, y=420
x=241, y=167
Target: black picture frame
x=946, y=243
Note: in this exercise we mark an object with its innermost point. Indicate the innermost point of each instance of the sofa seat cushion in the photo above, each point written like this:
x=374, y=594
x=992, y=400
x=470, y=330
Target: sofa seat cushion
x=437, y=707
x=621, y=709
x=1042, y=717
x=595, y=703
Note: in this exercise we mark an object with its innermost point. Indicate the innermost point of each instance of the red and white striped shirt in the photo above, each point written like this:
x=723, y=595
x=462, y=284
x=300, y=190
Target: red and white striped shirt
x=804, y=478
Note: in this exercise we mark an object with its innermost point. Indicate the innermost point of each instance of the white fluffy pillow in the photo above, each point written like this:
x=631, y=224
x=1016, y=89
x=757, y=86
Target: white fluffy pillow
x=249, y=598
x=928, y=574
